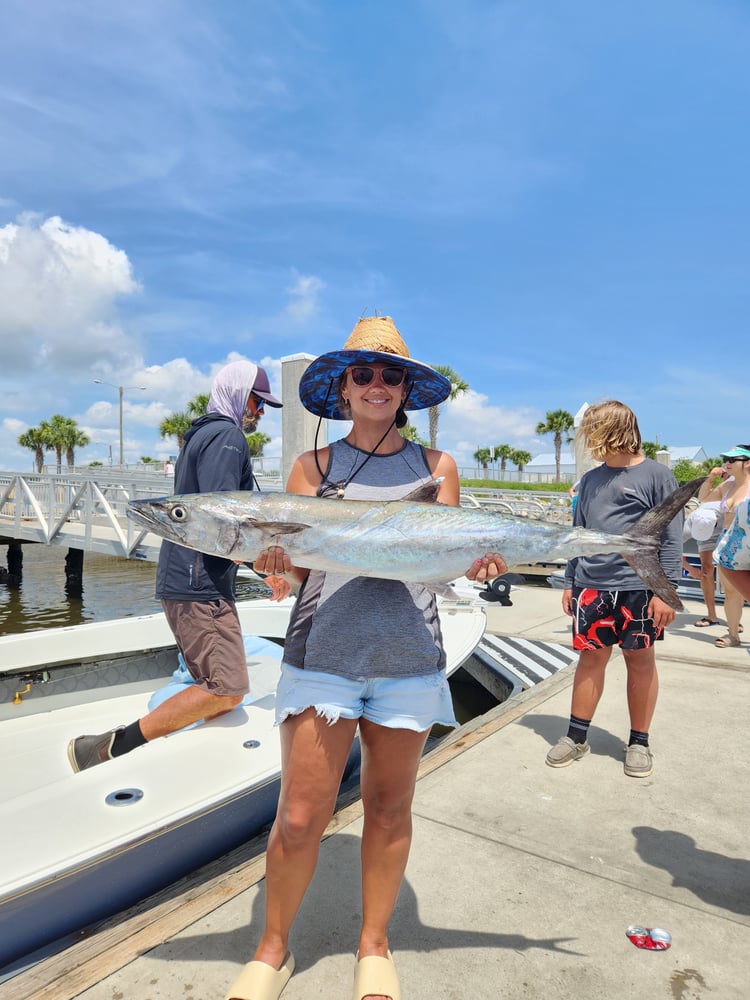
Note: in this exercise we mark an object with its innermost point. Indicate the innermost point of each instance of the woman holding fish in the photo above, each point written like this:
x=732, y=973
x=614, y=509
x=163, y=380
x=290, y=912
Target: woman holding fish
x=360, y=652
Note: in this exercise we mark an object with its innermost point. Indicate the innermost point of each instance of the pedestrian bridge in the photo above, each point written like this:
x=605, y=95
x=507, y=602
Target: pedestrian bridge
x=83, y=511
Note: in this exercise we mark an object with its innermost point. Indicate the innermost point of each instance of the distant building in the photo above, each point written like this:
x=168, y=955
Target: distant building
x=544, y=465
x=692, y=453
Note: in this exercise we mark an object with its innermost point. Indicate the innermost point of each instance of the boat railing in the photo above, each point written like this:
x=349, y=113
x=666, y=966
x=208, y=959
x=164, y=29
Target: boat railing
x=553, y=507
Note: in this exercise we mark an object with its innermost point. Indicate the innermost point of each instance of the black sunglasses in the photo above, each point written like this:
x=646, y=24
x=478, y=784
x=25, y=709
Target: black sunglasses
x=259, y=403
x=728, y=459
x=392, y=377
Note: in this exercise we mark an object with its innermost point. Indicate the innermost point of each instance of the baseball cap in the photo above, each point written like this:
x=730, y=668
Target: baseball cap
x=262, y=389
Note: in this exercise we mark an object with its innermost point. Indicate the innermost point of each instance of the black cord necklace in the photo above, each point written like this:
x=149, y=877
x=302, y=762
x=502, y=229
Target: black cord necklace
x=327, y=487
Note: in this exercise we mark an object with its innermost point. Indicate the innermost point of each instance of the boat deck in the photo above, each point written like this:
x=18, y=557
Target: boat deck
x=522, y=878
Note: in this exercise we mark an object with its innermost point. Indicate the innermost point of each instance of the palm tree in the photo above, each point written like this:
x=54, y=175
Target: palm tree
x=37, y=440
x=650, y=448
x=458, y=386
x=74, y=438
x=502, y=452
x=558, y=422
x=483, y=457
x=198, y=405
x=64, y=435
x=410, y=432
x=520, y=459
x=176, y=425
x=256, y=442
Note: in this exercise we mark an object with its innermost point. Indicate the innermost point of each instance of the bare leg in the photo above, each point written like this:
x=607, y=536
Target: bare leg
x=313, y=755
x=708, y=584
x=588, y=682
x=185, y=708
x=643, y=686
x=740, y=581
x=733, y=604
x=390, y=759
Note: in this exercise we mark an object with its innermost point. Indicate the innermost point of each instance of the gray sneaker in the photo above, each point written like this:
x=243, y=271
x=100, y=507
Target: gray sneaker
x=87, y=751
x=565, y=751
x=639, y=761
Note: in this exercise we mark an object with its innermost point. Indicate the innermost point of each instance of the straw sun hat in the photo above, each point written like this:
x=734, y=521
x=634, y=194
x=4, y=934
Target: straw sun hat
x=374, y=340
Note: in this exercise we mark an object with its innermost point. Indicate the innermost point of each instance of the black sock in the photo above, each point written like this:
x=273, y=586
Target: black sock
x=640, y=738
x=578, y=729
x=128, y=739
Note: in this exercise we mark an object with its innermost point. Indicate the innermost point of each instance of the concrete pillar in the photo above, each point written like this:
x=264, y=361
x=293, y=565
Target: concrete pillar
x=662, y=456
x=298, y=426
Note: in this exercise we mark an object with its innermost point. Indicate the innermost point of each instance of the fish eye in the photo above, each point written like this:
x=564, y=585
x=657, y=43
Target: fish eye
x=178, y=513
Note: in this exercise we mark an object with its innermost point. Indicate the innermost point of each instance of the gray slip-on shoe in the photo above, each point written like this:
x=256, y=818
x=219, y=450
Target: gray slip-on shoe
x=565, y=751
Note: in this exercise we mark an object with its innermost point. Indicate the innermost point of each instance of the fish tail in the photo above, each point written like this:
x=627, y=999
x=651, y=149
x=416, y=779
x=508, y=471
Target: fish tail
x=647, y=533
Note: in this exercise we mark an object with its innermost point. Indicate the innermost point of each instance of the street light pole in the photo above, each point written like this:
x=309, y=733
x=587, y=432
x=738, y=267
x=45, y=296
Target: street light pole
x=120, y=391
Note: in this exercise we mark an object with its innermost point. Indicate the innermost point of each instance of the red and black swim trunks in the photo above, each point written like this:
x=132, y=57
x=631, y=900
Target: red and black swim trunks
x=613, y=618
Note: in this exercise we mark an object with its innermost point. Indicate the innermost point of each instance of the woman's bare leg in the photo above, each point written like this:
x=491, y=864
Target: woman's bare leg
x=390, y=759
x=313, y=755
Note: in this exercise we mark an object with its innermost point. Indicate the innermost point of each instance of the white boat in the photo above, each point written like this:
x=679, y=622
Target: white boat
x=77, y=848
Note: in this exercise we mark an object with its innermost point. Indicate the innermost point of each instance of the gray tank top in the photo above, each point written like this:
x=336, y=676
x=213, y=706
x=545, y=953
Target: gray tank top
x=363, y=627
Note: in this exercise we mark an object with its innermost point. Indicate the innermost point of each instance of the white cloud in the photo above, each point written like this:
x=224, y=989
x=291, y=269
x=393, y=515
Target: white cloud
x=470, y=422
x=304, y=299
x=59, y=285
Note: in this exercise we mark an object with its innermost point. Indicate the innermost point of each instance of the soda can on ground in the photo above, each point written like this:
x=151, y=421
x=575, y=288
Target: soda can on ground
x=650, y=938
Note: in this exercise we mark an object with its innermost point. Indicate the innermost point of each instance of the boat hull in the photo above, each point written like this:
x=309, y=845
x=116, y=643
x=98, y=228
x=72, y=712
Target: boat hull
x=76, y=849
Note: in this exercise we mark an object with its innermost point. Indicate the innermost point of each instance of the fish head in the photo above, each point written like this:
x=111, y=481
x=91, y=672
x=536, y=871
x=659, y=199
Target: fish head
x=191, y=520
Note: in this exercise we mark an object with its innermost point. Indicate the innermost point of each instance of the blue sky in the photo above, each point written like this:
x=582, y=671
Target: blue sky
x=550, y=198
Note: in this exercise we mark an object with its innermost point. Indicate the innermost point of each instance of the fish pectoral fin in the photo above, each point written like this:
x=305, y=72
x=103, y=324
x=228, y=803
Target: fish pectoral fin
x=425, y=492
x=277, y=527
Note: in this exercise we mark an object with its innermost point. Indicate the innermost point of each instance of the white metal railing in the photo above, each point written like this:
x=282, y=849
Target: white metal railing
x=79, y=511
x=554, y=507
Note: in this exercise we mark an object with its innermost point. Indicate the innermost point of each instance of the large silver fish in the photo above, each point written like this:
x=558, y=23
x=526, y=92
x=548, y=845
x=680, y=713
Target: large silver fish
x=411, y=540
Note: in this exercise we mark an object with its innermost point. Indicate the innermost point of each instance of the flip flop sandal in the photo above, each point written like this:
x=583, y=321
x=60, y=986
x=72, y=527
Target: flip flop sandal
x=726, y=641
x=705, y=622
x=375, y=976
x=260, y=981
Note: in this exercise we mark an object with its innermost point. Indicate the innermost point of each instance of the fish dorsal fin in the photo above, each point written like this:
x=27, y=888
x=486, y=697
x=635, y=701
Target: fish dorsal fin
x=425, y=492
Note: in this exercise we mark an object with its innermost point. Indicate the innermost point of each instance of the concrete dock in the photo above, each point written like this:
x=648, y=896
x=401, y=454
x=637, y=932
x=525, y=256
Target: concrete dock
x=522, y=880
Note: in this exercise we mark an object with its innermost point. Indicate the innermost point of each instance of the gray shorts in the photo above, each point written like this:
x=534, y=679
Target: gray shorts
x=209, y=636
x=710, y=543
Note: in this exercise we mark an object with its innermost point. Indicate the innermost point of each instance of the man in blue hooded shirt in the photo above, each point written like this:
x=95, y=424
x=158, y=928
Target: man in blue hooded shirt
x=197, y=591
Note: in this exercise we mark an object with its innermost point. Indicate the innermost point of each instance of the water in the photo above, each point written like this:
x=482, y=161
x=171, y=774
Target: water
x=112, y=588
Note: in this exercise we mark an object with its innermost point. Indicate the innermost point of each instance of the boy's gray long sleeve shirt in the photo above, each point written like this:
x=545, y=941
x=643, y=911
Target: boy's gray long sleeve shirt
x=613, y=500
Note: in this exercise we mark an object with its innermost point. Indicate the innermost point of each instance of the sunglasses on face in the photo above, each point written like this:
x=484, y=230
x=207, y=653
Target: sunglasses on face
x=731, y=461
x=392, y=377
x=259, y=403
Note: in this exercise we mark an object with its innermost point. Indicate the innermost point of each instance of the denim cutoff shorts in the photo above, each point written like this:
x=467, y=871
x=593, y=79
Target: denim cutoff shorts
x=415, y=703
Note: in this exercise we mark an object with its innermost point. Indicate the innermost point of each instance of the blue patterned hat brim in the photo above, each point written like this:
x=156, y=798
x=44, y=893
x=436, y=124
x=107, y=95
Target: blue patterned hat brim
x=318, y=387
